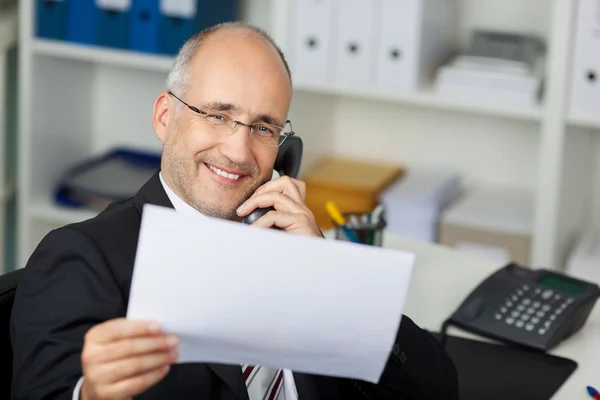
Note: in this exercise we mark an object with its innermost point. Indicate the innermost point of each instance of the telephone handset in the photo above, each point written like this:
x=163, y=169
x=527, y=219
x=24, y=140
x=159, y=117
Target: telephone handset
x=532, y=308
x=288, y=161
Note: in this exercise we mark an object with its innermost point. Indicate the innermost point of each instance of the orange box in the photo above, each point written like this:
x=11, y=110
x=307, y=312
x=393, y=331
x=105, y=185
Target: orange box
x=353, y=185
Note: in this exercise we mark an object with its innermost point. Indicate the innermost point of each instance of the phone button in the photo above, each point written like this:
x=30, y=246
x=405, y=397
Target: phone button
x=542, y=331
x=529, y=327
x=520, y=324
x=510, y=321
x=498, y=317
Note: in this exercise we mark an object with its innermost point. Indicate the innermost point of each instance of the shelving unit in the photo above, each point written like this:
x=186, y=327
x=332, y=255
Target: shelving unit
x=78, y=100
x=8, y=43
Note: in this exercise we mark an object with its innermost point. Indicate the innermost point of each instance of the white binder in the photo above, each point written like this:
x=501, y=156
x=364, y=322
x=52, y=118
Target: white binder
x=585, y=87
x=413, y=38
x=355, y=44
x=311, y=28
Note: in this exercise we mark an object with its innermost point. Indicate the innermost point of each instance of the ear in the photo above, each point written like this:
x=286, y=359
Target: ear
x=162, y=115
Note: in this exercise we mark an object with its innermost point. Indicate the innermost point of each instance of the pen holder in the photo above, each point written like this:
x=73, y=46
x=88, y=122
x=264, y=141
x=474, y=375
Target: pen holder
x=360, y=229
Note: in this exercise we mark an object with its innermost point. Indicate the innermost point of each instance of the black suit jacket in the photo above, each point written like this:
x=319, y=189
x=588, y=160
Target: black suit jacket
x=79, y=276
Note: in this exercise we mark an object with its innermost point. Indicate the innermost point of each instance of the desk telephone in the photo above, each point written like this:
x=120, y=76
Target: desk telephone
x=532, y=308
x=287, y=162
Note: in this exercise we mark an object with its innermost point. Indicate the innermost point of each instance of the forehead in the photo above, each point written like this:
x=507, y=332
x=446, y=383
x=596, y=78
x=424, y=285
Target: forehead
x=242, y=70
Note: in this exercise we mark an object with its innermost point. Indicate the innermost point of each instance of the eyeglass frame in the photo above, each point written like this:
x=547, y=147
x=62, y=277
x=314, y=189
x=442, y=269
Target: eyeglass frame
x=235, y=123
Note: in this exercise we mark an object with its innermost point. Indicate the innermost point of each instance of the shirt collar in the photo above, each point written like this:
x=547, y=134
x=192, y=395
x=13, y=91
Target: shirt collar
x=178, y=203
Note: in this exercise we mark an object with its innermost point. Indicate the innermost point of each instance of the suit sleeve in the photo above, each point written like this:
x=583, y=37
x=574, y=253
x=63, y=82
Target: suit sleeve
x=418, y=368
x=65, y=289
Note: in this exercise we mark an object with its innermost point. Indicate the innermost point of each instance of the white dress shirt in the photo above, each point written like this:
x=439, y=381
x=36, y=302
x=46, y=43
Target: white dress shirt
x=289, y=386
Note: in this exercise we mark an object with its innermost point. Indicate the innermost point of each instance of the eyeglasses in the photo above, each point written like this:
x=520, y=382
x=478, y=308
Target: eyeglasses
x=263, y=133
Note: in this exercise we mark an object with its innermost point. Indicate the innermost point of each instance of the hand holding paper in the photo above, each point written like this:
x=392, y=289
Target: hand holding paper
x=238, y=294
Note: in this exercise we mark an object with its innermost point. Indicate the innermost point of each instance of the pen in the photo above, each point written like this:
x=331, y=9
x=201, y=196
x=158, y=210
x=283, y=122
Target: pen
x=593, y=392
x=336, y=215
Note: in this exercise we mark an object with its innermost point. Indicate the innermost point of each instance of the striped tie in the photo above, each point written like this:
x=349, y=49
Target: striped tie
x=263, y=383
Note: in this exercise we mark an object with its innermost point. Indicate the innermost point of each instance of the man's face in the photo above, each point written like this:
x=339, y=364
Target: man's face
x=240, y=78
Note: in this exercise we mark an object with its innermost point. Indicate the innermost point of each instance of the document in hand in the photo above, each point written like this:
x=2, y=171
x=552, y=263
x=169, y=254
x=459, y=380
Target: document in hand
x=239, y=294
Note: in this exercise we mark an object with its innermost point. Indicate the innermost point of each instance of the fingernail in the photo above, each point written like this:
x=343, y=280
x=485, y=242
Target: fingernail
x=154, y=327
x=241, y=208
x=172, y=340
x=166, y=369
x=174, y=355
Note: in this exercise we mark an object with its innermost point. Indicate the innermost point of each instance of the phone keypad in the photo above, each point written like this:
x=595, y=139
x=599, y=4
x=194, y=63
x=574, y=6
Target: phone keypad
x=533, y=309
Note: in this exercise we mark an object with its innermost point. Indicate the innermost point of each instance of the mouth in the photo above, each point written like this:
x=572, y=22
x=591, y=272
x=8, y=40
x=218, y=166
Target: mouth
x=226, y=175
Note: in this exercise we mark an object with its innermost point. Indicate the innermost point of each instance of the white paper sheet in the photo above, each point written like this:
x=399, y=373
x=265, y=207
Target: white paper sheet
x=239, y=294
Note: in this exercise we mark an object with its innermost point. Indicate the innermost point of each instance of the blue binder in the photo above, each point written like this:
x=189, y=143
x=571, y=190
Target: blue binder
x=112, y=29
x=81, y=27
x=214, y=12
x=145, y=25
x=174, y=31
x=51, y=19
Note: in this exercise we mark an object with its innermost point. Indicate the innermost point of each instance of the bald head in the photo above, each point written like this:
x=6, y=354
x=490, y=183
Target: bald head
x=229, y=35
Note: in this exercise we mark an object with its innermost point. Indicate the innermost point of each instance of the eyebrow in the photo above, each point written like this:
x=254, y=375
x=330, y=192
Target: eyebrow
x=218, y=106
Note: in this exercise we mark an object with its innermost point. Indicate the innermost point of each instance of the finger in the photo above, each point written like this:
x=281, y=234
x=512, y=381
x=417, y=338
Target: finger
x=294, y=188
x=133, y=386
x=121, y=328
x=290, y=222
x=119, y=370
x=129, y=347
x=280, y=201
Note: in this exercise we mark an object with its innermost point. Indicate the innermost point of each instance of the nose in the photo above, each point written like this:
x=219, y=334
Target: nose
x=238, y=146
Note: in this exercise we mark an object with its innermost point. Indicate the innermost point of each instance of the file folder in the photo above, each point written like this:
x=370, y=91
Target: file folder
x=81, y=27
x=145, y=25
x=113, y=23
x=177, y=23
x=51, y=19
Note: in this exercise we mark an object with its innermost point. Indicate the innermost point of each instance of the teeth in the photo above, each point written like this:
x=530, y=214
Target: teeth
x=223, y=173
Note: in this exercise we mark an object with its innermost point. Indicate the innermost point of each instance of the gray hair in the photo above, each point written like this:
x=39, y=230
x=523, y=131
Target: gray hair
x=178, y=79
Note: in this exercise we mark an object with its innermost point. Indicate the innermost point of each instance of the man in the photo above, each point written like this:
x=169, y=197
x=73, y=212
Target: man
x=220, y=123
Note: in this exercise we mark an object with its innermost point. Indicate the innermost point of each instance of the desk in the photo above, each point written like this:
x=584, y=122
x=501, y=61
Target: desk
x=443, y=277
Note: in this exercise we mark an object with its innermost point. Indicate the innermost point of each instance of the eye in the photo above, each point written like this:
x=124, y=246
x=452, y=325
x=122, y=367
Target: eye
x=215, y=118
x=263, y=130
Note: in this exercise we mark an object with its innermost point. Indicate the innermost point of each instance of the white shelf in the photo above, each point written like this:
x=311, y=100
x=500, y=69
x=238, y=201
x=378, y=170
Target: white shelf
x=49, y=212
x=427, y=97
x=423, y=98
x=93, y=54
x=584, y=120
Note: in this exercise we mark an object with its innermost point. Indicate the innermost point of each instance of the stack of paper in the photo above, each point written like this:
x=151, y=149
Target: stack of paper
x=238, y=294
x=413, y=204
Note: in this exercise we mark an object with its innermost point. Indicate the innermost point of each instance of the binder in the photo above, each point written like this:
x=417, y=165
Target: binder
x=397, y=52
x=211, y=12
x=144, y=25
x=51, y=19
x=81, y=27
x=354, y=64
x=311, y=58
x=113, y=23
x=585, y=86
x=414, y=38
x=177, y=24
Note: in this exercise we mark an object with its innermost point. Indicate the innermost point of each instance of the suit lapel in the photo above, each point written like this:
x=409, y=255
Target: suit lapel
x=152, y=193
x=232, y=376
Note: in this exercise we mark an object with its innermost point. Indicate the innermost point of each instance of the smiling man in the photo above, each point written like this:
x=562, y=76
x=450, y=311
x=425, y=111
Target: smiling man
x=220, y=121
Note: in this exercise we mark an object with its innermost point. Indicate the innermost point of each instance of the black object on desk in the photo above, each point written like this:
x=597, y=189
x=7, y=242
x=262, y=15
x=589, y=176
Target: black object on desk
x=499, y=372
